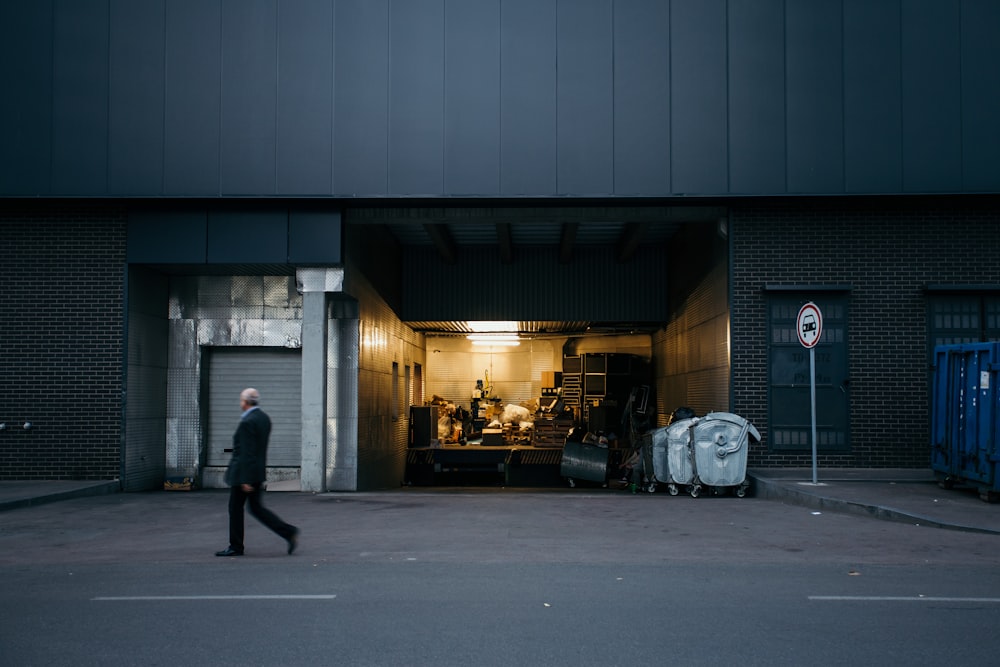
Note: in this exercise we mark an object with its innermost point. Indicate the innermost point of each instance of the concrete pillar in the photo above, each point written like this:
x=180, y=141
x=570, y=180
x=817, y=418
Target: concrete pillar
x=313, y=391
x=342, y=401
x=315, y=285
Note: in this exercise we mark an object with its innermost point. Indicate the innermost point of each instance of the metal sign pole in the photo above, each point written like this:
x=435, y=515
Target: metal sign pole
x=809, y=329
x=812, y=400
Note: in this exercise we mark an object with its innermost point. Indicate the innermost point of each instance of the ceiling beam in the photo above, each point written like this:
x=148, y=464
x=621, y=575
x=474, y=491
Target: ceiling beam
x=506, y=242
x=567, y=238
x=629, y=240
x=443, y=241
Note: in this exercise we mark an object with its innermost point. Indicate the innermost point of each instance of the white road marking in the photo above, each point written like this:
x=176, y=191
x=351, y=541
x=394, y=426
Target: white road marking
x=879, y=598
x=128, y=598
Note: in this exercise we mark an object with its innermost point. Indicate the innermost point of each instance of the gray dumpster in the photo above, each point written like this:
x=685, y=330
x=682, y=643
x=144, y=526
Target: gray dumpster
x=721, y=441
x=673, y=458
x=680, y=455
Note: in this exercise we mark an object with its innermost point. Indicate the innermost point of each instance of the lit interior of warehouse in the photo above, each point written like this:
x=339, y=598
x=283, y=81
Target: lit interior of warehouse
x=547, y=325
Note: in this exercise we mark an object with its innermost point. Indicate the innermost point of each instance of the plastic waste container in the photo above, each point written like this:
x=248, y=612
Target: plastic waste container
x=584, y=461
x=721, y=442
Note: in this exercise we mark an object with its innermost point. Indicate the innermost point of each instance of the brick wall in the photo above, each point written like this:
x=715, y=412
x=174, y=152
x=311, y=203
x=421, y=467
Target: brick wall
x=887, y=257
x=61, y=336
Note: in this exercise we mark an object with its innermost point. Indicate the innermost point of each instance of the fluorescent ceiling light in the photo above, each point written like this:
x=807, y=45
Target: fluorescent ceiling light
x=508, y=339
x=482, y=327
x=492, y=336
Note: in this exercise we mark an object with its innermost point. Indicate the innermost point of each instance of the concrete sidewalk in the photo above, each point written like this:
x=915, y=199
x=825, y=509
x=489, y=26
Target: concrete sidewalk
x=907, y=495
x=25, y=494
x=894, y=494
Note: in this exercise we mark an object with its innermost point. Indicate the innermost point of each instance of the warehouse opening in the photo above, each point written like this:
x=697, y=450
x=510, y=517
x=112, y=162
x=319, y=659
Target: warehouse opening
x=546, y=323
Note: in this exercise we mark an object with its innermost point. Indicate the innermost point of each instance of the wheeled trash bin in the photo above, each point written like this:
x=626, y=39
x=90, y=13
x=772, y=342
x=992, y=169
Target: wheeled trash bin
x=721, y=441
x=584, y=461
x=681, y=457
x=673, y=458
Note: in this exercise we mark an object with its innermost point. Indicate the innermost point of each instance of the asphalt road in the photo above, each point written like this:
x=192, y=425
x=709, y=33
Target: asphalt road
x=490, y=578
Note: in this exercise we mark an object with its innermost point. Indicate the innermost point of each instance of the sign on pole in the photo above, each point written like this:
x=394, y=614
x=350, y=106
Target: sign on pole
x=809, y=329
x=809, y=325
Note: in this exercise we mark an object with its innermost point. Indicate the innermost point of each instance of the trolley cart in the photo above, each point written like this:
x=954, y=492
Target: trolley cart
x=721, y=441
x=583, y=461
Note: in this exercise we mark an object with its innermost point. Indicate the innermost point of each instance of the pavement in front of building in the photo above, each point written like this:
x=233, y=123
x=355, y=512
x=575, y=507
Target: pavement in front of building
x=893, y=494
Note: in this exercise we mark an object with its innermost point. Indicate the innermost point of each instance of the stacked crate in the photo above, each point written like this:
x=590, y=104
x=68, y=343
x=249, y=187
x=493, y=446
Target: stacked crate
x=551, y=432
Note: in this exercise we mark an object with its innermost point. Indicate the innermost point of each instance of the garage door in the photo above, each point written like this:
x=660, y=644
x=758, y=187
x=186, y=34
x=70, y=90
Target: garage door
x=277, y=374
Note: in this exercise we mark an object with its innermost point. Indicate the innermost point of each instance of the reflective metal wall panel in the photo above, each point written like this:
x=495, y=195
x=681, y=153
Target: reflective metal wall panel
x=218, y=311
x=362, y=390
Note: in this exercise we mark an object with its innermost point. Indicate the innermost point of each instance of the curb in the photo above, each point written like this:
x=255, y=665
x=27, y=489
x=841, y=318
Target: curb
x=96, y=489
x=773, y=490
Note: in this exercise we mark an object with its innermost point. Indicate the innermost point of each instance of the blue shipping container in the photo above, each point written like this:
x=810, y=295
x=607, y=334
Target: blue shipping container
x=965, y=432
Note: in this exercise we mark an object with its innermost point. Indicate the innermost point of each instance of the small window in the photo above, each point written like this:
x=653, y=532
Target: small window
x=395, y=391
x=418, y=385
x=407, y=386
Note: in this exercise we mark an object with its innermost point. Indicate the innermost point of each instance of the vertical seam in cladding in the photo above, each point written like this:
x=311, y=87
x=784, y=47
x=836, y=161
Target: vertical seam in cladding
x=902, y=133
x=107, y=101
x=222, y=102
x=277, y=97
x=784, y=80
x=333, y=98
x=613, y=97
x=163, y=118
x=961, y=115
x=52, y=100
x=388, y=95
x=843, y=98
x=444, y=96
x=670, y=102
x=729, y=163
x=558, y=191
x=499, y=185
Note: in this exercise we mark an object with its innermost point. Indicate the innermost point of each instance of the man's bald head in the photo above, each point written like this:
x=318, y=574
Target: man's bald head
x=250, y=396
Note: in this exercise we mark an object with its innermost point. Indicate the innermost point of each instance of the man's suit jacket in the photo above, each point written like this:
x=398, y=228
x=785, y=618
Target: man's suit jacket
x=249, y=462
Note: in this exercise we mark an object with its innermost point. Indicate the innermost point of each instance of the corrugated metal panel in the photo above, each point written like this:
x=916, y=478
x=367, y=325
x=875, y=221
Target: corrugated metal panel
x=471, y=233
x=277, y=375
x=593, y=225
x=412, y=234
x=536, y=233
x=692, y=354
x=536, y=287
x=379, y=454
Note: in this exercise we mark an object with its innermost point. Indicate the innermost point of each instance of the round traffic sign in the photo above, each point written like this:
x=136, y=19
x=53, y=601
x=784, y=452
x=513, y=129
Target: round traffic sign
x=809, y=324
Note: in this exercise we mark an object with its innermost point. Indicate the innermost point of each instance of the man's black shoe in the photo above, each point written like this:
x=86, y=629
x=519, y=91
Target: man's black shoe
x=229, y=551
x=293, y=540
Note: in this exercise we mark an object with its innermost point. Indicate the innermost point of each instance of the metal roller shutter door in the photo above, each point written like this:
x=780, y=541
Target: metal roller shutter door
x=277, y=374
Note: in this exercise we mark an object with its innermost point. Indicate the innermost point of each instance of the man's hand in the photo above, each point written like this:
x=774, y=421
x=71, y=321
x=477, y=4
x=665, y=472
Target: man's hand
x=247, y=488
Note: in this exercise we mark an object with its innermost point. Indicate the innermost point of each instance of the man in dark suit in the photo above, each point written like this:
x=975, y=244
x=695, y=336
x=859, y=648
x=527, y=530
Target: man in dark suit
x=246, y=473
